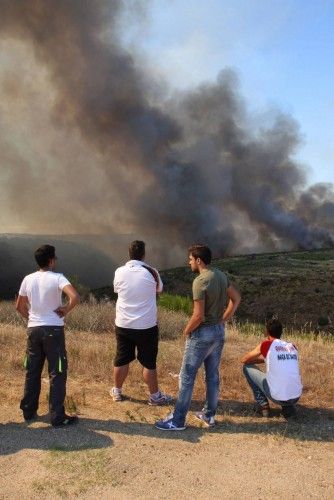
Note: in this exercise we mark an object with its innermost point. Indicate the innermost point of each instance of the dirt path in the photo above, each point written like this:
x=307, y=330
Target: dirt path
x=126, y=457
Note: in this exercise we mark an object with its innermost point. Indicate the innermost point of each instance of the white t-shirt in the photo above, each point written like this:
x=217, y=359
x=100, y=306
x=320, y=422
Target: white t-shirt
x=136, y=306
x=282, y=369
x=43, y=289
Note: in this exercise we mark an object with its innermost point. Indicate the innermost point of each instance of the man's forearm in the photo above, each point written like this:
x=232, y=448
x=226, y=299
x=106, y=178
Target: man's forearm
x=68, y=307
x=230, y=310
x=233, y=303
x=22, y=307
x=24, y=313
x=252, y=360
x=192, y=324
x=64, y=310
x=74, y=301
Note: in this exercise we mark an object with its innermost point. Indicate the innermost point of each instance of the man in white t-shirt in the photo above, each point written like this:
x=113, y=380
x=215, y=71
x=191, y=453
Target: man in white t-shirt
x=136, y=327
x=281, y=383
x=40, y=302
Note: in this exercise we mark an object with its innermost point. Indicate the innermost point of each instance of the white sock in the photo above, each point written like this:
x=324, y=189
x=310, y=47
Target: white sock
x=156, y=395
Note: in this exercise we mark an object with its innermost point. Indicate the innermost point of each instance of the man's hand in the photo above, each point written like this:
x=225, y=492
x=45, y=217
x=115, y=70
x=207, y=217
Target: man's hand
x=73, y=300
x=196, y=318
x=61, y=311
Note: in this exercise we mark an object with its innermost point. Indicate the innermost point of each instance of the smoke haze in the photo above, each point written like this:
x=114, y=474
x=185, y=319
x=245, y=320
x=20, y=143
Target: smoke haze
x=92, y=269
x=89, y=145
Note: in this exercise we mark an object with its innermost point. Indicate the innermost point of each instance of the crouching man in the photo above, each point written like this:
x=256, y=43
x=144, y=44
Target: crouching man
x=281, y=383
x=39, y=301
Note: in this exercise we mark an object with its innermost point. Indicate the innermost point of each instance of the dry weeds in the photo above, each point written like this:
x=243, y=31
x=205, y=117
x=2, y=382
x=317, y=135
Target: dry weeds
x=101, y=453
x=99, y=318
x=91, y=352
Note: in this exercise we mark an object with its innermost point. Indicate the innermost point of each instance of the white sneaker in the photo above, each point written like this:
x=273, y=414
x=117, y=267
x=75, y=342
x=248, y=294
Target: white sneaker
x=209, y=421
x=161, y=399
x=116, y=394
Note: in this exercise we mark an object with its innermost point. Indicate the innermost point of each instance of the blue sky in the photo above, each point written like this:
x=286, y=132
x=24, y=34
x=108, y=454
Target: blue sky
x=283, y=51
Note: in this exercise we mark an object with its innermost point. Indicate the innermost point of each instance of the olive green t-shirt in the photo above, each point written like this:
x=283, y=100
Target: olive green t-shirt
x=211, y=286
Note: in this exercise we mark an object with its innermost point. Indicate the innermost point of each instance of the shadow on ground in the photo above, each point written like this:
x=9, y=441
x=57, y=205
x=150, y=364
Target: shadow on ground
x=312, y=424
x=19, y=436
x=87, y=434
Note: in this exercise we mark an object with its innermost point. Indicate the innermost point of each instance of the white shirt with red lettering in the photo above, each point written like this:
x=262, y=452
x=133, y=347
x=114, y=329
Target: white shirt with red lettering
x=136, y=305
x=43, y=290
x=282, y=369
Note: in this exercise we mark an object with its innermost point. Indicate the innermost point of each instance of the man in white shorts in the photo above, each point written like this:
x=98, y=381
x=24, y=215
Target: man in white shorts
x=40, y=302
x=281, y=383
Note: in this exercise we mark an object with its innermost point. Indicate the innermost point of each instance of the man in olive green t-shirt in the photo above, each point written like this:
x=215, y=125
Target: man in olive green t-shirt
x=211, y=286
x=215, y=301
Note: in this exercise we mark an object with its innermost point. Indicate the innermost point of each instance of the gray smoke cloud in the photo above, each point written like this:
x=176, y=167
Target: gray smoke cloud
x=92, y=269
x=97, y=149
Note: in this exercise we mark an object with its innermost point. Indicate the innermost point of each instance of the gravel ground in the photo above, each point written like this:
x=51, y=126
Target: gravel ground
x=124, y=456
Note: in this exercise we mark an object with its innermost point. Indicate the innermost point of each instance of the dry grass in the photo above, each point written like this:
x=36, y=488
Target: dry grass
x=8, y=314
x=90, y=345
x=99, y=318
x=73, y=474
x=91, y=352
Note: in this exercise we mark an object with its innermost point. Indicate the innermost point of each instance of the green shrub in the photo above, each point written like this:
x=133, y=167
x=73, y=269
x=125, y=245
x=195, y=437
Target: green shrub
x=176, y=303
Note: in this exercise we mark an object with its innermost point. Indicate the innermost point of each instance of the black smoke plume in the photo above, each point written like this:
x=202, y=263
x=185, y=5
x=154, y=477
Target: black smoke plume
x=97, y=150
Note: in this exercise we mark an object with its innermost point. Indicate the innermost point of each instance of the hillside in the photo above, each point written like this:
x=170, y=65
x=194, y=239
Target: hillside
x=297, y=286
x=93, y=267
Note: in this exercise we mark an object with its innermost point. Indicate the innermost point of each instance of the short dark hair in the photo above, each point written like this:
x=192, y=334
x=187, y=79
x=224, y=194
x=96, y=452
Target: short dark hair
x=274, y=328
x=201, y=252
x=137, y=250
x=44, y=254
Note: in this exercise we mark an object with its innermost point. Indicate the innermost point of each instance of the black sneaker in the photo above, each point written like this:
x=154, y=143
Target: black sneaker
x=289, y=412
x=29, y=417
x=262, y=410
x=68, y=420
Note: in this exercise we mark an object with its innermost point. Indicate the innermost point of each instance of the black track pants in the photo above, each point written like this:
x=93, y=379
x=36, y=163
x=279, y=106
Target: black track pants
x=45, y=342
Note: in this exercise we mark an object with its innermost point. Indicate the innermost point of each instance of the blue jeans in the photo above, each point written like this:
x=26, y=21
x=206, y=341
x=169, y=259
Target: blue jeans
x=259, y=385
x=205, y=345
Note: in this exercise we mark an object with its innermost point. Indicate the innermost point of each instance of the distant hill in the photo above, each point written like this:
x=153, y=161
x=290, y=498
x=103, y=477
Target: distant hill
x=296, y=286
x=76, y=259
